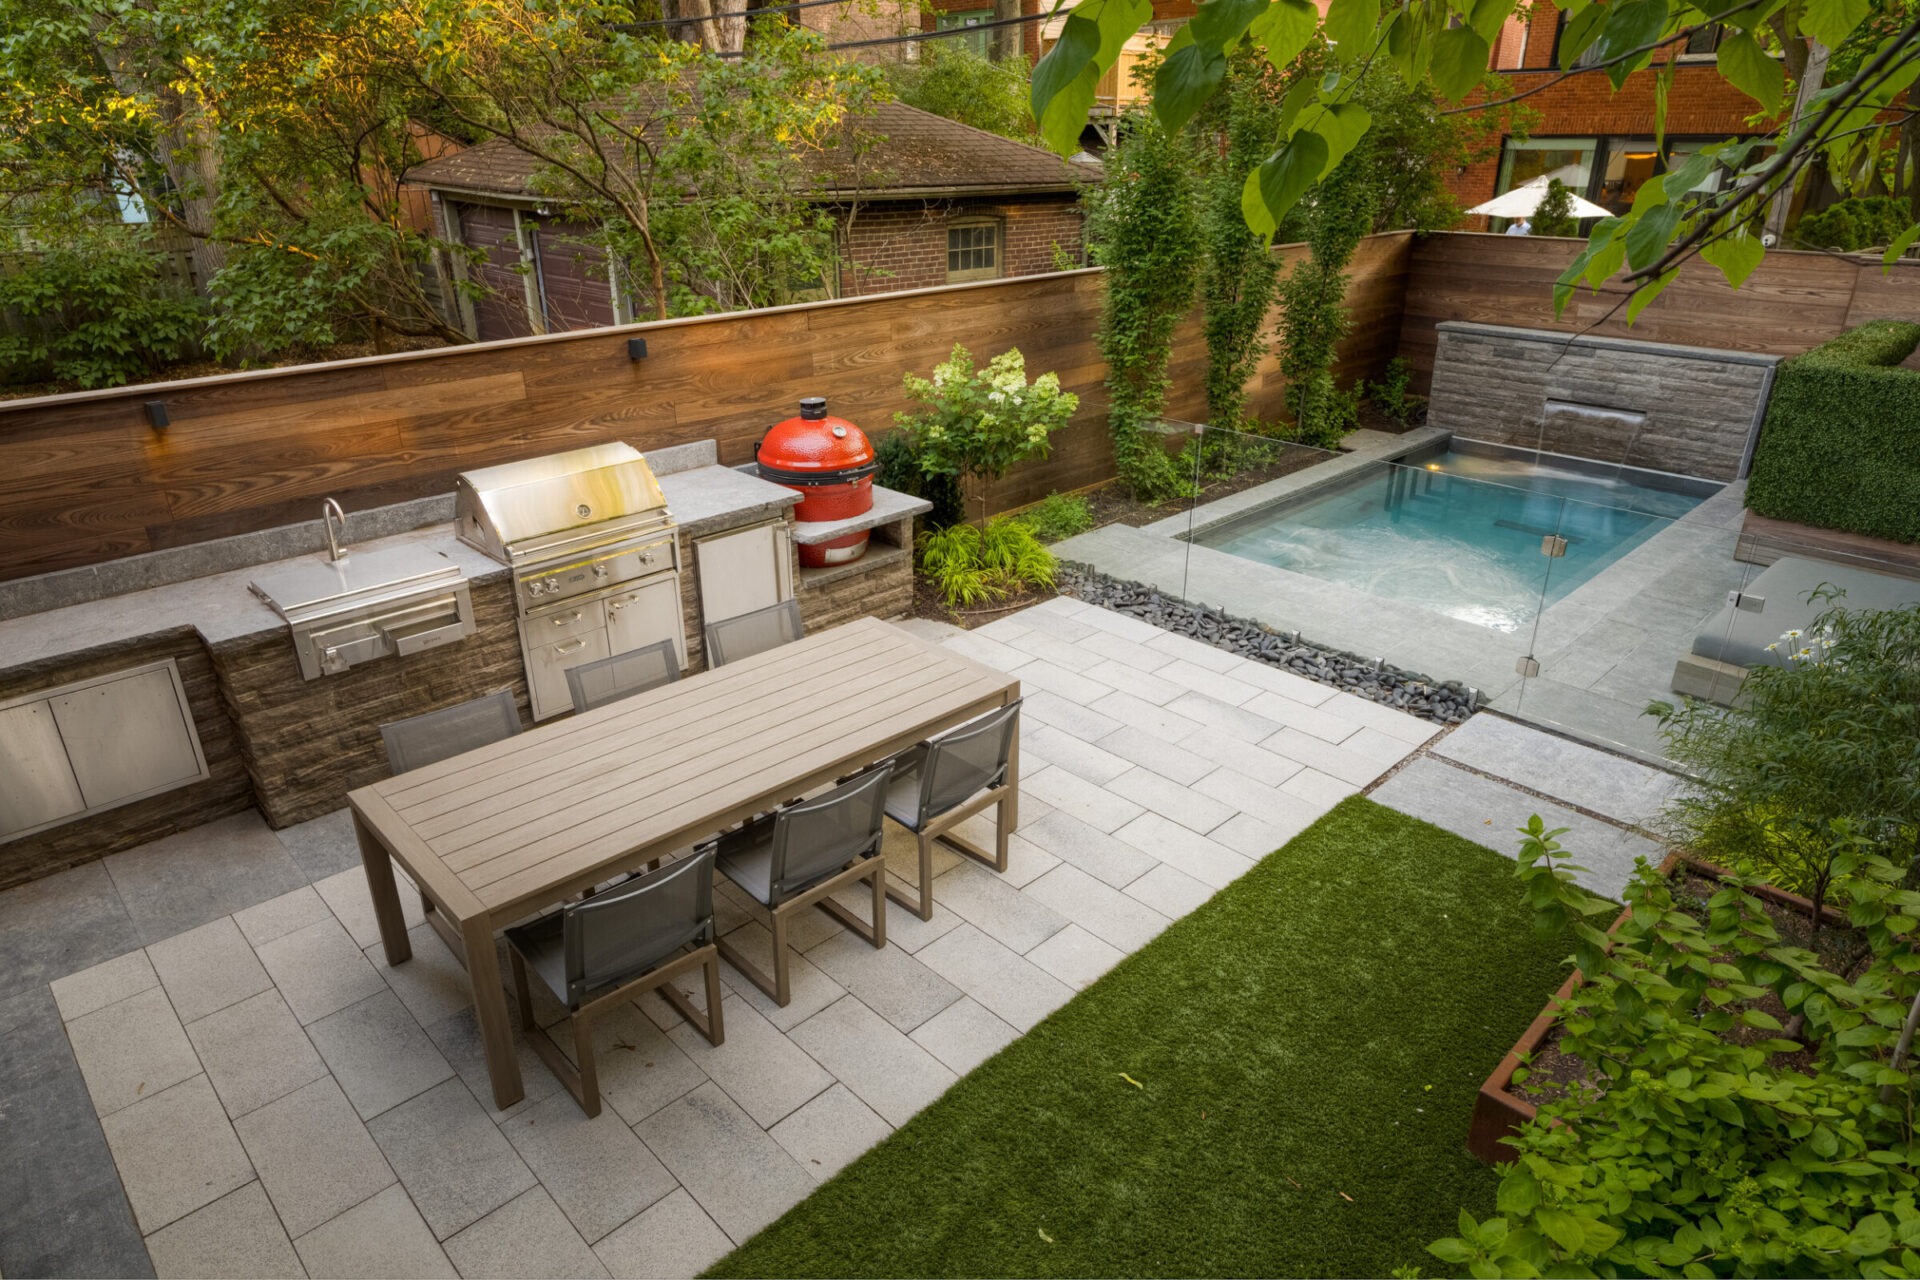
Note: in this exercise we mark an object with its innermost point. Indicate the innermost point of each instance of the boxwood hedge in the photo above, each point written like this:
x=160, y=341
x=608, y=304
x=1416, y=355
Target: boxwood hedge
x=1841, y=445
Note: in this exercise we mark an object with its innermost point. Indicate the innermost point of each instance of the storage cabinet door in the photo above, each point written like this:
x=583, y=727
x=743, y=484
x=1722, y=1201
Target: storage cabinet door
x=547, y=669
x=744, y=570
x=37, y=785
x=128, y=737
x=647, y=615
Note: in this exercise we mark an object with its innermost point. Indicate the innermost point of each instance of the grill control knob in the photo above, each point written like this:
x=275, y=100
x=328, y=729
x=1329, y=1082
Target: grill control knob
x=599, y=571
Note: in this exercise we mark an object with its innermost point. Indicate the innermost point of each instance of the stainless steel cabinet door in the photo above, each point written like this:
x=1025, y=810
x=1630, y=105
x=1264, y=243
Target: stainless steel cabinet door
x=128, y=737
x=547, y=669
x=647, y=615
x=744, y=570
x=37, y=785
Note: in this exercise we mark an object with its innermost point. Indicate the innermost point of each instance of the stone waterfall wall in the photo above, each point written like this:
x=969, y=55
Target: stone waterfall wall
x=1690, y=410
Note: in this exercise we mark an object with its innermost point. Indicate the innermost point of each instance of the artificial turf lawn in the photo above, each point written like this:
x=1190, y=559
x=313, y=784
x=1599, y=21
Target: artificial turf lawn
x=1320, y=1027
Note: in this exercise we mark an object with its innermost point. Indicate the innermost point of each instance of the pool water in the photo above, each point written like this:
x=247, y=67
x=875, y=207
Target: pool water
x=1460, y=533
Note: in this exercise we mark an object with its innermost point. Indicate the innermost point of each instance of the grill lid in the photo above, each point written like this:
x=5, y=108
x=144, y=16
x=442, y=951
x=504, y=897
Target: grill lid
x=501, y=509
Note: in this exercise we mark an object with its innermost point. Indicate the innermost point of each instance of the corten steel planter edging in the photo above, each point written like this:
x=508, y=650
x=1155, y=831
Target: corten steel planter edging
x=1498, y=1111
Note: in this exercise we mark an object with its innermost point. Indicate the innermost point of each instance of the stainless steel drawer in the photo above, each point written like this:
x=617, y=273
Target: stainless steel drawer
x=565, y=620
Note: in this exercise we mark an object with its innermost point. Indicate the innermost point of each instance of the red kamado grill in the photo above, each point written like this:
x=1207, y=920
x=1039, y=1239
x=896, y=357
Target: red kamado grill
x=830, y=463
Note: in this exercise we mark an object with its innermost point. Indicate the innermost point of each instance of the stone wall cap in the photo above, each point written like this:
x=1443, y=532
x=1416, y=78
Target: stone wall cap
x=1598, y=342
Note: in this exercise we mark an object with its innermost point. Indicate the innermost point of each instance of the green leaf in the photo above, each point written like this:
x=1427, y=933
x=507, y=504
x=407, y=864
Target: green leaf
x=1341, y=124
x=1219, y=24
x=1488, y=17
x=1562, y=1228
x=1452, y=1252
x=1184, y=82
x=1405, y=49
x=1284, y=30
x=1065, y=80
x=1519, y=1193
x=1350, y=25
x=1747, y=68
x=1582, y=30
x=1459, y=61
x=1870, y=1236
x=1900, y=245
x=1662, y=89
x=1650, y=234
x=1282, y=178
x=1735, y=255
x=1298, y=97
x=1832, y=21
x=1628, y=27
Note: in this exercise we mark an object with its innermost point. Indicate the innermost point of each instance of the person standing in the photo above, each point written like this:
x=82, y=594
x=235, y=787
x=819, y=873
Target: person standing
x=1520, y=227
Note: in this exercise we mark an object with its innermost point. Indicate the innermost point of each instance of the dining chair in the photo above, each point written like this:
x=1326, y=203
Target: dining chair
x=597, y=954
x=428, y=739
x=595, y=684
x=801, y=854
x=938, y=784
x=732, y=639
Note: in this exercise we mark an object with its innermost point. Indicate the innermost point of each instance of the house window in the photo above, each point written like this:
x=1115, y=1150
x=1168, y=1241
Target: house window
x=1703, y=41
x=1589, y=56
x=962, y=18
x=973, y=251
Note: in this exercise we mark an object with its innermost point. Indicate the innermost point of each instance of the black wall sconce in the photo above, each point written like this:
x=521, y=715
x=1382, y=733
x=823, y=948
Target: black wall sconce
x=636, y=348
x=157, y=413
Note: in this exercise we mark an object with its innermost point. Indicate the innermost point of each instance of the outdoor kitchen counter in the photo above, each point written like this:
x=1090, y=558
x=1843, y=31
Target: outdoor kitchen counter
x=222, y=609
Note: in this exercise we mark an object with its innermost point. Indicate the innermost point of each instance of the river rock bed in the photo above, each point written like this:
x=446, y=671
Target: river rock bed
x=1442, y=701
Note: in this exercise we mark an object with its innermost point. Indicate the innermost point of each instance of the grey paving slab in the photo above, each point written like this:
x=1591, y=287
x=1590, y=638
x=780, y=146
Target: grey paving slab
x=1046, y=744
x=347, y=894
x=61, y=924
x=1222, y=685
x=1100, y=909
x=278, y=917
x=458, y=1039
x=1012, y=987
x=891, y=982
x=526, y=1239
x=641, y=1068
x=1256, y=837
x=1119, y=624
x=207, y=969
x=741, y=1178
x=314, y=1155
x=1182, y=764
x=964, y=1035
x=450, y=1156
x=1319, y=788
x=1041, y=674
x=1096, y=806
x=905, y=931
x=382, y=1236
x=670, y=1241
x=980, y=897
x=1076, y=957
x=254, y=1052
x=1055, y=620
x=1127, y=653
x=63, y=1211
x=1171, y=892
x=237, y=1236
x=1316, y=720
x=175, y=1152
x=1062, y=653
x=319, y=970
x=1162, y=722
x=1103, y=856
x=377, y=1052
x=323, y=846
x=811, y=989
x=1624, y=790
x=1188, y=806
x=1048, y=708
x=108, y=982
x=189, y=879
x=1488, y=813
x=1260, y=798
x=131, y=1050
x=829, y=1133
x=889, y=1072
x=761, y=1069
x=596, y=1170
x=433, y=984
x=1026, y=862
x=1141, y=684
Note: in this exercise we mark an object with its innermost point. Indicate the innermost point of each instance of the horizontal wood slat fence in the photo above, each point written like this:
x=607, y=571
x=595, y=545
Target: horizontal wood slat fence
x=1794, y=301
x=85, y=478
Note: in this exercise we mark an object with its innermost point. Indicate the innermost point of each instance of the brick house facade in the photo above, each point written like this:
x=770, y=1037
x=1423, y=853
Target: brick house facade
x=928, y=202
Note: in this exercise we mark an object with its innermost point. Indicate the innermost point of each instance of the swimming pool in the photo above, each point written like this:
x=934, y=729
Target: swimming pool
x=1460, y=532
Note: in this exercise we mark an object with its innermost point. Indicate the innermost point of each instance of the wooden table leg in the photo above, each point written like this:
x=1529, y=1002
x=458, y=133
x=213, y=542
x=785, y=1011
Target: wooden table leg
x=490, y=1007
x=386, y=894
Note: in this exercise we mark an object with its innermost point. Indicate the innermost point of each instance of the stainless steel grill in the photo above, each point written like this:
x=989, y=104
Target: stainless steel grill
x=595, y=560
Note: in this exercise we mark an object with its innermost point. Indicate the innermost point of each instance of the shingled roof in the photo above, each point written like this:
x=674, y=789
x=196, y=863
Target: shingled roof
x=910, y=152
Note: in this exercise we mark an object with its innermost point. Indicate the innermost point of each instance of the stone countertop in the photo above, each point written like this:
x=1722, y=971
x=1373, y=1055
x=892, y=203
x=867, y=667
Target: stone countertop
x=888, y=506
x=222, y=608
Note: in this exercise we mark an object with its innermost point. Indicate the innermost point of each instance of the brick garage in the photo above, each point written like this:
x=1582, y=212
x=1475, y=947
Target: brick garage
x=905, y=187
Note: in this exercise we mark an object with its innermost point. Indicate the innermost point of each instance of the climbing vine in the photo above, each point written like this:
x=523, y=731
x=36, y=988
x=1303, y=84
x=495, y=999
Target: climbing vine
x=1237, y=283
x=1141, y=223
x=1313, y=301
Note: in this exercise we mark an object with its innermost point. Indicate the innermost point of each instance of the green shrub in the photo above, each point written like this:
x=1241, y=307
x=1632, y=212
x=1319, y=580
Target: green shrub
x=1841, y=445
x=1057, y=516
x=1324, y=413
x=1392, y=395
x=1555, y=217
x=97, y=312
x=1863, y=222
x=898, y=465
x=970, y=564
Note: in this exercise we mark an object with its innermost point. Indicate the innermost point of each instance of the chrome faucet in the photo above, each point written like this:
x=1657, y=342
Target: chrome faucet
x=329, y=509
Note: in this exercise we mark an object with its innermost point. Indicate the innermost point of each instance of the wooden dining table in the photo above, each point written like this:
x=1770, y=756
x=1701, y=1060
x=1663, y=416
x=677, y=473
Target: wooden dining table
x=495, y=835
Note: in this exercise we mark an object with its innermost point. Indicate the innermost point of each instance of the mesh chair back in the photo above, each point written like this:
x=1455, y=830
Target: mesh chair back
x=967, y=761
x=423, y=740
x=735, y=638
x=595, y=684
x=816, y=838
x=624, y=932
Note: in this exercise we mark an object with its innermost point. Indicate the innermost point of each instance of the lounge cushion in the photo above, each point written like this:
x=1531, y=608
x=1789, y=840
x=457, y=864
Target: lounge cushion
x=1740, y=638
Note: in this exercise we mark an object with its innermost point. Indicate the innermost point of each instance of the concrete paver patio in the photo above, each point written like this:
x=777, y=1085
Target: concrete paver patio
x=257, y=1092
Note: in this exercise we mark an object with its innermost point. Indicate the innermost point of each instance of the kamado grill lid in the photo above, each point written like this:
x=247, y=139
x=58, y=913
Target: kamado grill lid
x=814, y=448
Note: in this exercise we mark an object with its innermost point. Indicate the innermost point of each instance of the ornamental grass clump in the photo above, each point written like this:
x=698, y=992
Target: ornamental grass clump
x=976, y=424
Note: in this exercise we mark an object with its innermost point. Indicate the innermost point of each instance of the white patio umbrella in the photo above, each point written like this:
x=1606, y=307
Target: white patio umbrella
x=1524, y=202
